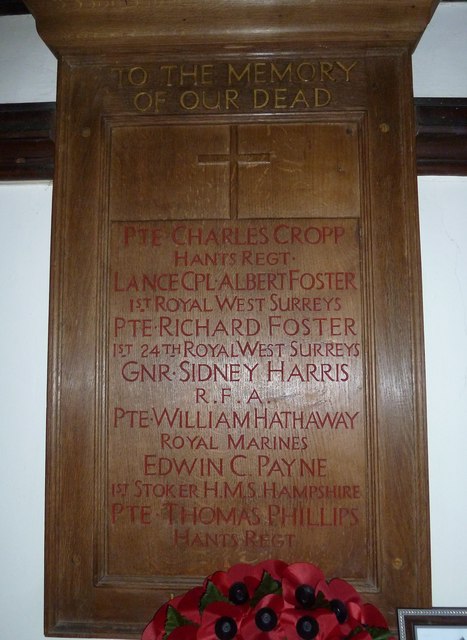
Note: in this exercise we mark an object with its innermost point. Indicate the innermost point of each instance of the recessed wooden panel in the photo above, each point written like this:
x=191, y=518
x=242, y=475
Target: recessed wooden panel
x=235, y=355
x=235, y=380
x=309, y=170
x=167, y=172
x=234, y=171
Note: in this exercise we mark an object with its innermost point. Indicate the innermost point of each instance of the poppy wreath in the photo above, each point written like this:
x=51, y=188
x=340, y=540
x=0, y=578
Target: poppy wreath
x=271, y=600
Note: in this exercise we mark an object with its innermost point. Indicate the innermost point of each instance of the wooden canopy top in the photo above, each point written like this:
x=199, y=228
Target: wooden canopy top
x=119, y=25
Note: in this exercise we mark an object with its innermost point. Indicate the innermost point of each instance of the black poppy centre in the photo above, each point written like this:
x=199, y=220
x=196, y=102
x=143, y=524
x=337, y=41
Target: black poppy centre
x=340, y=610
x=266, y=619
x=238, y=593
x=305, y=595
x=225, y=628
x=307, y=628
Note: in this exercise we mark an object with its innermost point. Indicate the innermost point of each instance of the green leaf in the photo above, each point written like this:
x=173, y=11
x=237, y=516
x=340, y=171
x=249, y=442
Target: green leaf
x=212, y=594
x=173, y=620
x=266, y=587
x=320, y=602
x=379, y=633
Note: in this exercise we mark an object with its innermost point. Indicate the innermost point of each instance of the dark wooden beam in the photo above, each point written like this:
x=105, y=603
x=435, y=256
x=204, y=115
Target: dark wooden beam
x=13, y=8
x=27, y=138
x=441, y=136
x=27, y=133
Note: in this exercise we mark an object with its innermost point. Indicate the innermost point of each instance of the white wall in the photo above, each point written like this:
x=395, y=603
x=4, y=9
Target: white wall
x=24, y=273
x=27, y=74
x=440, y=60
x=440, y=70
x=443, y=217
x=28, y=70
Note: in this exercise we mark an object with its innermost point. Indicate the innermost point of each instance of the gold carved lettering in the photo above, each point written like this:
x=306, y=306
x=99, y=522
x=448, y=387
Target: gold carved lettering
x=189, y=100
x=286, y=74
x=205, y=100
x=322, y=97
x=276, y=84
x=253, y=73
x=306, y=72
x=119, y=71
x=184, y=74
x=282, y=98
x=239, y=76
x=300, y=99
x=326, y=68
x=259, y=72
x=231, y=99
x=144, y=101
x=346, y=70
x=261, y=98
x=166, y=70
x=137, y=76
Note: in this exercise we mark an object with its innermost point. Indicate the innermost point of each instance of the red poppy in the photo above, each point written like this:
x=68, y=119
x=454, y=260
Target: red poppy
x=188, y=605
x=220, y=621
x=275, y=568
x=337, y=589
x=344, y=601
x=267, y=601
x=360, y=635
x=185, y=606
x=300, y=624
x=184, y=632
x=299, y=582
x=373, y=617
x=155, y=629
x=262, y=622
x=240, y=582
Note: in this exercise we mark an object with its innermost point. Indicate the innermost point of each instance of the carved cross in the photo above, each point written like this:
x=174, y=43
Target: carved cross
x=235, y=159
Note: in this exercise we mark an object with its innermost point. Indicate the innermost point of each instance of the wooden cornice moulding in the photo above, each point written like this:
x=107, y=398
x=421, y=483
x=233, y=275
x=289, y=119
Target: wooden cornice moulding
x=69, y=25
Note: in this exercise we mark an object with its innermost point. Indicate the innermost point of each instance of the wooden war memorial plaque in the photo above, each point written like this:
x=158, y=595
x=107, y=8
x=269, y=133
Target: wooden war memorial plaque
x=236, y=368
